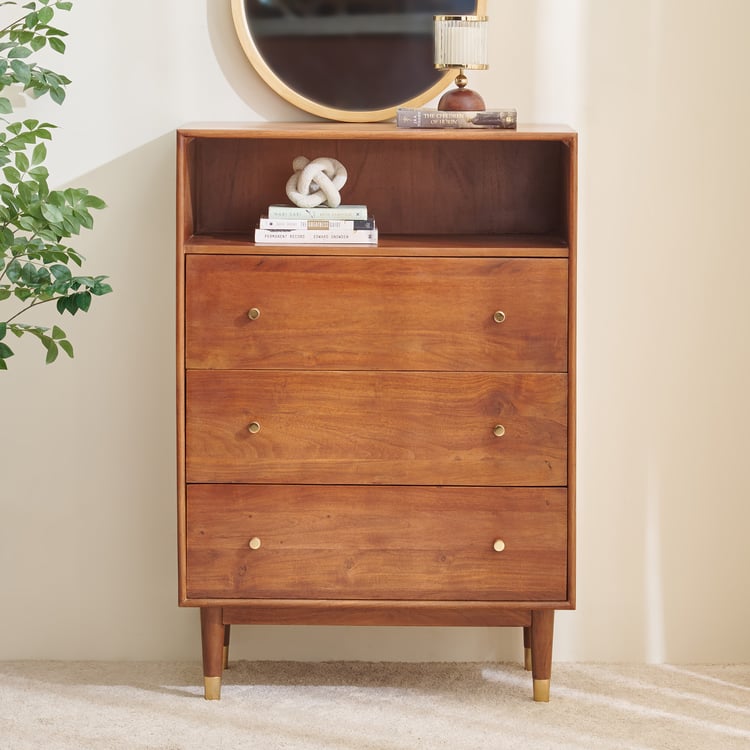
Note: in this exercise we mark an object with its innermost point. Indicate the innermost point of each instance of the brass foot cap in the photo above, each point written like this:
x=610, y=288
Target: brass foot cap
x=527, y=659
x=212, y=688
x=541, y=691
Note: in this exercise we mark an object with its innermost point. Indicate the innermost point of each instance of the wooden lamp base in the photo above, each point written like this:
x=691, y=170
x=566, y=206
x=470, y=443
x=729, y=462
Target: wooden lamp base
x=461, y=99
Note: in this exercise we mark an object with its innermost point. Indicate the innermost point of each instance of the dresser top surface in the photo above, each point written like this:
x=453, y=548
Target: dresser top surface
x=384, y=131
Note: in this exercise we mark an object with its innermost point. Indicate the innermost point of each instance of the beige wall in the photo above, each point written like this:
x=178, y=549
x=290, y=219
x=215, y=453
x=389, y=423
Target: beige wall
x=658, y=91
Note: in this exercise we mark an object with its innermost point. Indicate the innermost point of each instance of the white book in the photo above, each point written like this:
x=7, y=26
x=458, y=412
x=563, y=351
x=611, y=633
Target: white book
x=283, y=211
x=266, y=222
x=316, y=237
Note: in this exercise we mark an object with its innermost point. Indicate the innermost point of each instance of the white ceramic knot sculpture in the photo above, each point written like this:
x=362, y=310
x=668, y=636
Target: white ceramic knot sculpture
x=316, y=182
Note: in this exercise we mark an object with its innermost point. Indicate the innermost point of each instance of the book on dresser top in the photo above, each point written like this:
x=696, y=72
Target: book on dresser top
x=504, y=119
x=316, y=236
x=345, y=212
x=266, y=222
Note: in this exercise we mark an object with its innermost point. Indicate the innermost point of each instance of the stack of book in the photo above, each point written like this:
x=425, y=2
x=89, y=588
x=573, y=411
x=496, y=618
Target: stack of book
x=292, y=225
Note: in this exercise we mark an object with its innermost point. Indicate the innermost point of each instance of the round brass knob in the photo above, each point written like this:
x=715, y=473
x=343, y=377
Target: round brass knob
x=253, y=427
x=498, y=430
x=499, y=545
x=253, y=313
x=499, y=317
x=254, y=543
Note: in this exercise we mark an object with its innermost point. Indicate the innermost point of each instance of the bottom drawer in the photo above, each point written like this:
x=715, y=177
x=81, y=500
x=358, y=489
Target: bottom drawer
x=360, y=542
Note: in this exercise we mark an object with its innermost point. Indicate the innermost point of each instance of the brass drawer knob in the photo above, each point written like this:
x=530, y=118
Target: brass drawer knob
x=253, y=427
x=499, y=545
x=254, y=543
x=498, y=430
x=499, y=317
x=253, y=313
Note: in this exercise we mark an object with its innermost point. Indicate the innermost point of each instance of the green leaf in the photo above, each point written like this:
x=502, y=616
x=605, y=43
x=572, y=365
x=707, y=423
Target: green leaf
x=28, y=274
x=22, y=71
x=57, y=44
x=67, y=303
x=50, y=212
x=57, y=333
x=28, y=223
x=12, y=175
x=13, y=271
x=83, y=301
x=4, y=293
x=40, y=172
x=18, y=52
x=58, y=94
x=52, y=350
x=5, y=106
x=91, y=201
x=45, y=15
x=85, y=218
x=22, y=161
x=23, y=293
x=60, y=272
x=39, y=155
x=67, y=347
x=3, y=330
x=5, y=351
x=26, y=193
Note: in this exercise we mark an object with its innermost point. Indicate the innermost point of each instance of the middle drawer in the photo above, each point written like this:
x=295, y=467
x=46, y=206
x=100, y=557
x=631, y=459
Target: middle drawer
x=376, y=427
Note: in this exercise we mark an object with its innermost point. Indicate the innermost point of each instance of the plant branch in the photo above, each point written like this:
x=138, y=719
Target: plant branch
x=28, y=307
x=11, y=26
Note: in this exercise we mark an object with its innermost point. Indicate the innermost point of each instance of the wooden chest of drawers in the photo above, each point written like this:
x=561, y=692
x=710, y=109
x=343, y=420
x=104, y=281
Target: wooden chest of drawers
x=378, y=435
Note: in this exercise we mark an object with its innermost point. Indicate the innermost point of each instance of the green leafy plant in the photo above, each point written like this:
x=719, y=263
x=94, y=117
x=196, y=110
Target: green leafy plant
x=36, y=222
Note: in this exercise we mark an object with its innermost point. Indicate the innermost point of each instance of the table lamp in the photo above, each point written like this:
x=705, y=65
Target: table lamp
x=461, y=42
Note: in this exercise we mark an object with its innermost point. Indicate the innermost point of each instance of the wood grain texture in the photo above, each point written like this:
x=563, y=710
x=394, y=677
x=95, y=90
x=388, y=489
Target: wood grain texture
x=380, y=613
x=333, y=427
x=376, y=543
x=377, y=313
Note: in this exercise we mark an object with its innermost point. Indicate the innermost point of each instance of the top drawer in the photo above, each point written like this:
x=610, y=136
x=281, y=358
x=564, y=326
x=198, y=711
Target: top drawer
x=469, y=314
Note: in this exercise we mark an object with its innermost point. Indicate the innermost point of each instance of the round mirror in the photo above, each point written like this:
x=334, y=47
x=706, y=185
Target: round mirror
x=348, y=60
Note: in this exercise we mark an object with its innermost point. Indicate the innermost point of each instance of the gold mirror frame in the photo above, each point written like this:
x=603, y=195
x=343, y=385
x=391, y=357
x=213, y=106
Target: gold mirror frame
x=242, y=26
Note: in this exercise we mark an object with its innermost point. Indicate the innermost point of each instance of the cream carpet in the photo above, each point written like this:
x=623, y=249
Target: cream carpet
x=353, y=706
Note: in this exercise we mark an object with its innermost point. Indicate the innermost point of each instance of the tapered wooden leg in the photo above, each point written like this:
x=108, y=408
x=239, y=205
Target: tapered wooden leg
x=542, y=627
x=527, y=649
x=212, y=638
x=227, y=632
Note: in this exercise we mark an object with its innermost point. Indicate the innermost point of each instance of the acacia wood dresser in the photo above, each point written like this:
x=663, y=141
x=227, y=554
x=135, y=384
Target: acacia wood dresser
x=378, y=435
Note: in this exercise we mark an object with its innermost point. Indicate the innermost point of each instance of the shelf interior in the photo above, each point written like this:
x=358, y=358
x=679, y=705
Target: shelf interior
x=432, y=192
